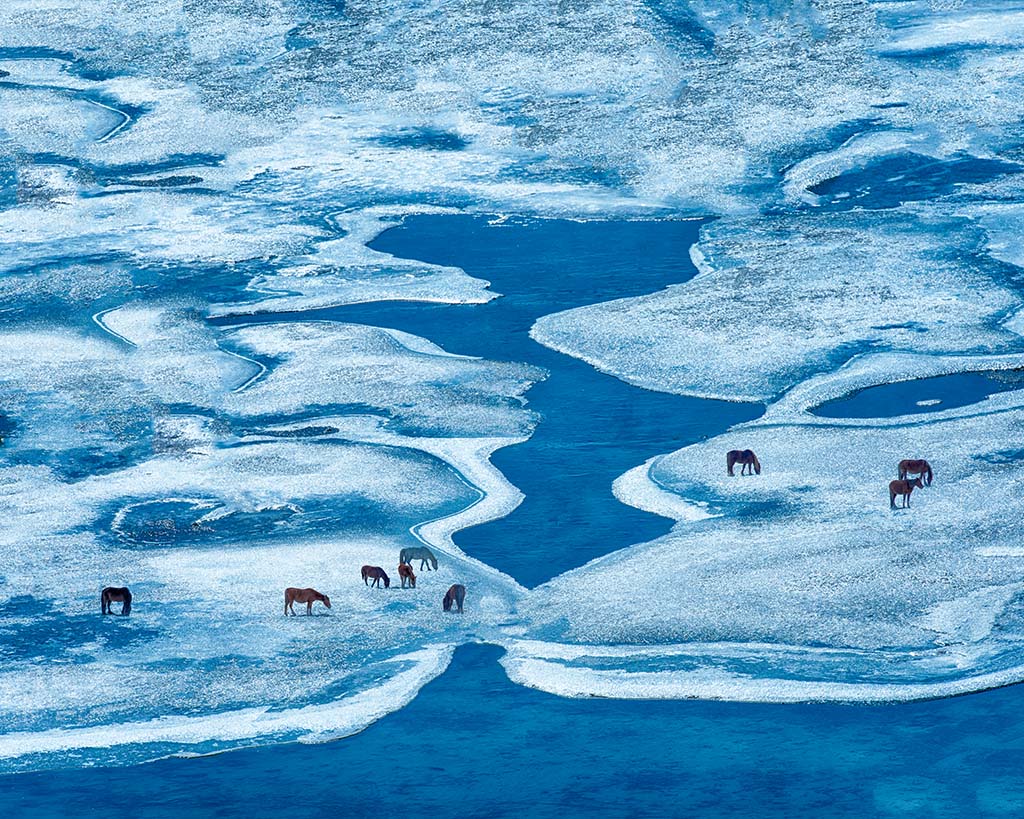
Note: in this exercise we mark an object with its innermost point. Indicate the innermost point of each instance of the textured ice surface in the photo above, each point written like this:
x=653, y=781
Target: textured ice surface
x=783, y=297
x=806, y=584
x=208, y=470
x=346, y=271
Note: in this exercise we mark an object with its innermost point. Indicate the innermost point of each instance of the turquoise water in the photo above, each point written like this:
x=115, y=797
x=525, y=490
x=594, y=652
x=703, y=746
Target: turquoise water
x=474, y=744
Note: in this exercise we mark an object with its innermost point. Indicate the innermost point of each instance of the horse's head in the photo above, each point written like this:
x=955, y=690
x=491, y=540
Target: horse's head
x=917, y=482
x=387, y=581
x=327, y=601
x=448, y=602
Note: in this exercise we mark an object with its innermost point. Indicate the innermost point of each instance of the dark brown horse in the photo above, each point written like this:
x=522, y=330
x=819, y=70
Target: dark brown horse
x=903, y=488
x=745, y=457
x=405, y=572
x=456, y=594
x=307, y=596
x=378, y=574
x=916, y=466
x=116, y=594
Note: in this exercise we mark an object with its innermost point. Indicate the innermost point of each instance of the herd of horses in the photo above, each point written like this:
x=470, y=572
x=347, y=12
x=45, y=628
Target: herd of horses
x=901, y=487
x=455, y=596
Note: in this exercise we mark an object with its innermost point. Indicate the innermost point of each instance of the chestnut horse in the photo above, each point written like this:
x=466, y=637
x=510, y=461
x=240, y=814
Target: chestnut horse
x=307, y=596
x=116, y=594
x=745, y=457
x=378, y=574
x=916, y=466
x=456, y=594
x=903, y=488
x=405, y=572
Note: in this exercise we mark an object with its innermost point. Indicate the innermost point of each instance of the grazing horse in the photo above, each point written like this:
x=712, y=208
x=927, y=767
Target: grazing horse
x=420, y=553
x=405, y=572
x=745, y=457
x=903, y=488
x=378, y=574
x=307, y=596
x=456, y=594
x=116, y=594
x=916, y=466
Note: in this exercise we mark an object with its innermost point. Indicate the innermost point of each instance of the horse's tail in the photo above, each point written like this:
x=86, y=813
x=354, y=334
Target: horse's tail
x=403, y=556
x=928, y=472
x=730, y=461
x=757, y=464
x=127, y=608
x=103, y=601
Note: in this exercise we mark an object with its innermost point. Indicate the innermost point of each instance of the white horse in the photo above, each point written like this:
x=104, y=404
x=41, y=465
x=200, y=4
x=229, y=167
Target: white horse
x=420, y=553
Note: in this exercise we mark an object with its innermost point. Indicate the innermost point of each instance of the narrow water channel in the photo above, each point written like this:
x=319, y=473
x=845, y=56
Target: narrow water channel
x=593, y=426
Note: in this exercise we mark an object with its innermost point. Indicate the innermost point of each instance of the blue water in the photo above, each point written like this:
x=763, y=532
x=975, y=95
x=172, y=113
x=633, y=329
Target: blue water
x=473, y=744
x=592, y=427
x=904, y=397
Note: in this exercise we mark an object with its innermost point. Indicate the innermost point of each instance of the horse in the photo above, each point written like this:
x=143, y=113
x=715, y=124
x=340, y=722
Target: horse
x=307, y=596
x=421, y=553
x=116, y=594
x=745, y=457
x=916, y=466
x=903, y=488
x=378, y=574
x=456, y=594
x=405, y=572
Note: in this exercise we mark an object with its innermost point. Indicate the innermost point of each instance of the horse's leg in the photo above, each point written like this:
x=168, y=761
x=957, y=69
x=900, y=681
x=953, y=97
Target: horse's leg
x=309, y=608
x=892, y=500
